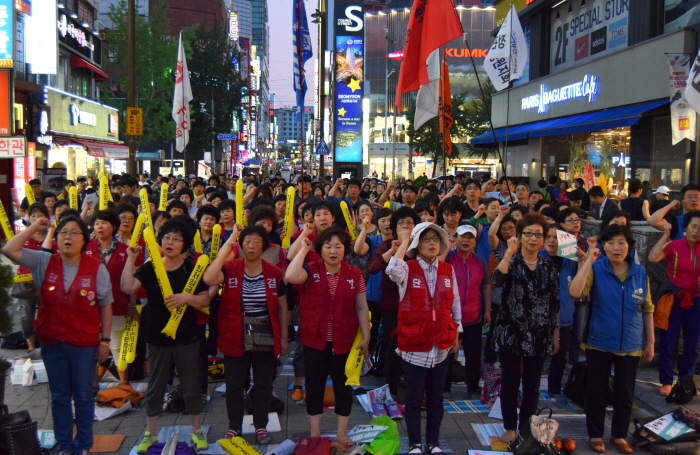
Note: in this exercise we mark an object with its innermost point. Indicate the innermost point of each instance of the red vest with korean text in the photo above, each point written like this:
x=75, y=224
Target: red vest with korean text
x=230, y=321
x=425, y=321
x=318, y=308
x=74, y=315
x=115, y=267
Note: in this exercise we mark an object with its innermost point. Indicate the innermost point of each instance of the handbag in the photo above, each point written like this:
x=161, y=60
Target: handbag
x=25, y=290
x=18, y=434
x=258, y=334
x=541, y=440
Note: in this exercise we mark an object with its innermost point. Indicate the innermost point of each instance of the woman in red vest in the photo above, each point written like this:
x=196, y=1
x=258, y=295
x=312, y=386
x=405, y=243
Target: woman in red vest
x=253, y=301
x=75, y=310
x=334, y=306
x=429, y=318
x=112, y=253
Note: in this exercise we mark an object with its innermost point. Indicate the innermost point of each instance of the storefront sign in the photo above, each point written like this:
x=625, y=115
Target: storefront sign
x=42, y=47
x=30, y=164
x=233, y=26
x=44, y=137
x=6, y=36
x=621, y=161
x=66, y=28
x=581, y=31
x=114, y=123
x=24, y=7
x=5, y=103
x=134, y=121
x=78, y=117
x=13, y=147
x=683, y=116
x=348, y=98
x=587, y=88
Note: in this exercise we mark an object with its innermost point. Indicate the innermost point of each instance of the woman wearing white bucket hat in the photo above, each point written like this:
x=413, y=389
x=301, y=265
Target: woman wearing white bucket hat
x=429, y=318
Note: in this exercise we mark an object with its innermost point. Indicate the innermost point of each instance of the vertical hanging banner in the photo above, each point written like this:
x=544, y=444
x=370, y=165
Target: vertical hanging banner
x=349, y=77
x=683, y=116
x=6, y=35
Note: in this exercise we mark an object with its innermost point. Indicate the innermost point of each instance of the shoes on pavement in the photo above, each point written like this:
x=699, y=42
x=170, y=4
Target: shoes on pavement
x=597, y=446
x=230, y=434
x=665, y=390
x=262, y=437
x=199, y=440
x=433, y=449
x=392, y=410
x=622, y=445
x=297, y=393
x=378, y=408
x=415, y=449
x=146, y=442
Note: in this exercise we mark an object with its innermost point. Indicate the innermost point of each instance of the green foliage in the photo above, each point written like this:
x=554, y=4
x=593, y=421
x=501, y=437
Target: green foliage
x=475, y=120
x=6, y=283
x=213, y=77
x=578, y=159
x=420, y=181
x=156, y=57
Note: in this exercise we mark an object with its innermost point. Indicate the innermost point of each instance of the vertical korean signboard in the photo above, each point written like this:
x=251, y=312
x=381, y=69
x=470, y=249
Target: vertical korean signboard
x=349, y=77
x=6, y=35
x=5, y=103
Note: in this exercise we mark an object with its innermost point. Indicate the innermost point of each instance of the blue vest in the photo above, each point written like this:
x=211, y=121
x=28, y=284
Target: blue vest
x=616, y=323
x=374, y=281
x=566, y=303
x=681, y=230
x=482, y=244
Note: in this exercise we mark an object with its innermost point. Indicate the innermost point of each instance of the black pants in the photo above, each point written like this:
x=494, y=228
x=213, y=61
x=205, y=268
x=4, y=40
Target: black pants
x=392, y=362
x=490, y=356
x=318, y=365
x=471, y=345
x=558, y=362
x=429, y=382
x=237, y=375
x=597, y=383
x=375, y=321
x=532, y=371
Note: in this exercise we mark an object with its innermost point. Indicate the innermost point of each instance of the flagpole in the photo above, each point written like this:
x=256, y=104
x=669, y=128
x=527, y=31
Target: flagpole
x=441, y=109
x=301, y=84
x=510, y=81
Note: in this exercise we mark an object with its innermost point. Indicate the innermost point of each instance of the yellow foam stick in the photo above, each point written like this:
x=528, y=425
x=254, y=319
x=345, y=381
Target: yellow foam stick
x=104, y=192
x=138, y=230
x=215, y=241
x=353, y=365
x=238, y=446
x=288, y=218
x=127, y=348
x=352, y=229
x=29, y=193
x=192, y=282
x=163, y=282
x=163, y=197
x=145, y=207
x=198, y=242
x=239, y=202
x=24, y=277
x=73, y=197
x=100, y=175
x=6, y=225
x=387, y=205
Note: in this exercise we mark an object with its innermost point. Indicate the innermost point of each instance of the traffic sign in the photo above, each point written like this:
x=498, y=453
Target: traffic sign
x=228, y=137
x=134, y=121
x=322, y=148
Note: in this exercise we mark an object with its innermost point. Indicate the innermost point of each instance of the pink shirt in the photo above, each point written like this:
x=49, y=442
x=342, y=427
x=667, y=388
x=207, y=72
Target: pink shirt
x=683, y=265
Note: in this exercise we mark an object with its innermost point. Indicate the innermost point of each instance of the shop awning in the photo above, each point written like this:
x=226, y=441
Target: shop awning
x=151, y=156
x=601, y=120
x=99, y=149
x=78, y=62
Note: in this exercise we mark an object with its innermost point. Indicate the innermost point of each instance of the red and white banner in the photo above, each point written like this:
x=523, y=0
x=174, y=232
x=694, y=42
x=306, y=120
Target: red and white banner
x=181, y=100
x=683, y=116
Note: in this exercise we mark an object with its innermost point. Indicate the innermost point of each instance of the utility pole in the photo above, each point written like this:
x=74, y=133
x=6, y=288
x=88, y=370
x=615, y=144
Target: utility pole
x=320, y=19
x=131, y=102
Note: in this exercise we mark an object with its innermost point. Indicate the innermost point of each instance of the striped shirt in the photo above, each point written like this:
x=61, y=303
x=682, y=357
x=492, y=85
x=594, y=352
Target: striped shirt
x=253, y=297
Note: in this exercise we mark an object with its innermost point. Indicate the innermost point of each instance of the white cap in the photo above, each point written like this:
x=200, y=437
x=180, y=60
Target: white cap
x=662, y=190
x=415, y=238
x=466, y=229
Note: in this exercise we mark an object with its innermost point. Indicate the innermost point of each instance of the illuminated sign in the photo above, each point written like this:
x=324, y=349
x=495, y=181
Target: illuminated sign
x=587, y=88
x=621, y=161
x=398, y=55
x=77, y=116
x=464, y=52
x=6, y=35
x=66, y=29
x=233, y=26
x=348, y=98
x=350, y=19
x=24, y=7
x=255, y=70
x=41, y=47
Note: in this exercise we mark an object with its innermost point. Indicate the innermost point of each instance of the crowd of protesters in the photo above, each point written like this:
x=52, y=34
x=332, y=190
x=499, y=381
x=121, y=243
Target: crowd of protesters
x=436, y=266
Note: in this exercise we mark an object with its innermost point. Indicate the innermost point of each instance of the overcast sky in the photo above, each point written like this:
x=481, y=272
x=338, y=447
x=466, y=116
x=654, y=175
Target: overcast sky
x=281, y=49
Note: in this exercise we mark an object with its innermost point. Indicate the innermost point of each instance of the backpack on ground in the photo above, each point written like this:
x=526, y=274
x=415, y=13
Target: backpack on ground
x=18, y=433
x=276, y=405
x=683, y=390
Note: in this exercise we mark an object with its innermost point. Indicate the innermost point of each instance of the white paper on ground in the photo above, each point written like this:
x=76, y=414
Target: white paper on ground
x=484, y=430
x=221, y=388
x=381, y=394
x=667, y=427
x=286, y=448
x=273, y=424
x=496, y=412
x=487, y=452
x=364, y=434
x=105, y=412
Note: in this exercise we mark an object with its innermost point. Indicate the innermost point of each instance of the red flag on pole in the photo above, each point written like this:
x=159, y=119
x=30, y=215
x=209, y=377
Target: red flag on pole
x=433, y=23
x=446, y=118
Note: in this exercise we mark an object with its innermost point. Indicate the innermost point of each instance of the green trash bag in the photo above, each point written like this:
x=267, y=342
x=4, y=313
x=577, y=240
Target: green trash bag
x=387, y=443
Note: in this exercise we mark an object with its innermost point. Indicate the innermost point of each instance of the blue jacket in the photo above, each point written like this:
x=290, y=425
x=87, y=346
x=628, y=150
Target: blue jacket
x=374, y=281
x=681, y=230
x=567, y=272
x=616, y=323
x=483, y=249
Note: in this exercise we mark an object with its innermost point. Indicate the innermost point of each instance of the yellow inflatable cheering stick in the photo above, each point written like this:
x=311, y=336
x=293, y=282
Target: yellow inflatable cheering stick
x=198, y=242
x=145, y=208
x=104, y=192
x=152, y=246
x=29, y=193
x=6, y=224
x=352, y=229
x=353, y=365
x=130, y=335
x=176, y=314
x=239, y=202
x=215, y=241
x=238, y=446
x=288, y=218
x=163, y=197
x=138, y=230
x=73, y=197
